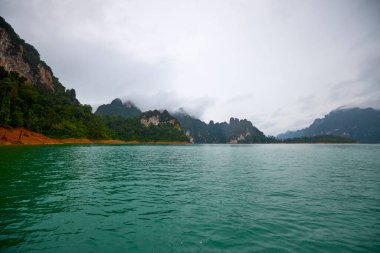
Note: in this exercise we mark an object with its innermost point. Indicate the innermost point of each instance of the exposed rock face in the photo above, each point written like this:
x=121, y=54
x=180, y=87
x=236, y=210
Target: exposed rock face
x=18, y=56
x=236, y=131
x=188, y=135
x=11, y=56
x=45, y=76
x=156, y=117
x=242, y=138
x=153, y=120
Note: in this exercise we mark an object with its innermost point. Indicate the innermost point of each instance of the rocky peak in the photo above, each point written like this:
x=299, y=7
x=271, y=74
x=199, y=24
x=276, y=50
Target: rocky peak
x=117, y=107
x=156, y=117
x=129, y=104
x=117, y=102
x=20, y=57
x=181, y=111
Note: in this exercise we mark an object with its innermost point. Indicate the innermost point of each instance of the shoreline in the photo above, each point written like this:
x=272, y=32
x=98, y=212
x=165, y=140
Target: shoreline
x=22, y=136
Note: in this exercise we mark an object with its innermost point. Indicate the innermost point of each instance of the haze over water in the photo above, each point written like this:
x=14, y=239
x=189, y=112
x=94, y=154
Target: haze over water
x=192, y=198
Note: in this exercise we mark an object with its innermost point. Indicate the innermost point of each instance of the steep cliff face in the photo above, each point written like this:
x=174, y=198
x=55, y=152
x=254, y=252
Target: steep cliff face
x=236, y=131
x=32, y=98
x=156, y=118
x=18, y=56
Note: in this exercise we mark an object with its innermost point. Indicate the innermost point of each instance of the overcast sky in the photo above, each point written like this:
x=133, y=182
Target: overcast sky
x=279, y=63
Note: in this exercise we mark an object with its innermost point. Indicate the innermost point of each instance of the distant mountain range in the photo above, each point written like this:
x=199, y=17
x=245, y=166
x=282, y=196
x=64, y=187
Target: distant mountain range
x=361, y=125
x=32, y=97
x=236, y=131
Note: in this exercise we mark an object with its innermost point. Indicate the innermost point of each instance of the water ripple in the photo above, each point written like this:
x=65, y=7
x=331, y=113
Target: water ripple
x=196, y=198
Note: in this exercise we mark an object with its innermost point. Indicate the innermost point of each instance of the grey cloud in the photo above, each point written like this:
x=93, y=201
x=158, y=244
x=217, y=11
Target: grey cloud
x=364, y=89
x=171, y=101
x=240, y=98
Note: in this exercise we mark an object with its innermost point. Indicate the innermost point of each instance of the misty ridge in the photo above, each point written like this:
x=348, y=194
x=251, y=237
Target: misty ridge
x=351, y=124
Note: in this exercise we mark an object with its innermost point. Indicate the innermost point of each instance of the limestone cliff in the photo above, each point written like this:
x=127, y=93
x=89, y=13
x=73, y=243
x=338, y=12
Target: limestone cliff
x=18, y=56
x=156, y=117
x=236, y=131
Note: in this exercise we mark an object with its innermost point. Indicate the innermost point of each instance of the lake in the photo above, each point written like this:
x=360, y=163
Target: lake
x=190, y=198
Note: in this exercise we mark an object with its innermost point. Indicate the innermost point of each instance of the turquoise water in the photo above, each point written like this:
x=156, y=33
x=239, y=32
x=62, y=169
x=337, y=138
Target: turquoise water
x=192, y=198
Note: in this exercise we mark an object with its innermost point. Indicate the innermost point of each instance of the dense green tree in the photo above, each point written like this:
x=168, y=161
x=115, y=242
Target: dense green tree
x=54, y=113
x=6, y=86
x=130, y=129
x=319, y=139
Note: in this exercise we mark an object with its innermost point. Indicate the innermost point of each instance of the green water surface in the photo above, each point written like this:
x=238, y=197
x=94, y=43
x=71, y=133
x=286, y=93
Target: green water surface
x=191, y=198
